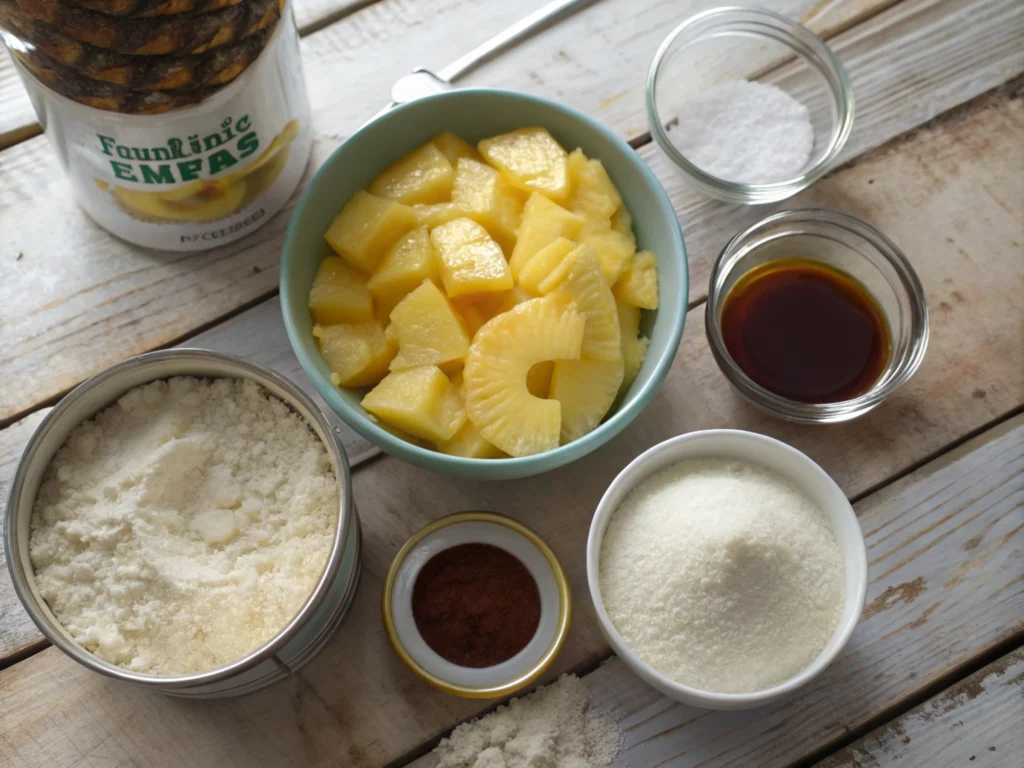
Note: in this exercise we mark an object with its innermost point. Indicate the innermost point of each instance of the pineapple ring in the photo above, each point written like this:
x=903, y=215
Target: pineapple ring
x=498, y=401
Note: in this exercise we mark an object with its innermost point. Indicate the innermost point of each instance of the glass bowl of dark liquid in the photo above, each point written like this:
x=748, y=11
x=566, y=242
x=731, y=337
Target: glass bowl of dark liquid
x=815, y=316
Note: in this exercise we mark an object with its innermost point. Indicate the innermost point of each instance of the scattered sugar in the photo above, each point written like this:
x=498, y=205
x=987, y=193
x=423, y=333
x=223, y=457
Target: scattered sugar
x=722, y=575
x=183, y=526
x=550, y=728
x=744, y=132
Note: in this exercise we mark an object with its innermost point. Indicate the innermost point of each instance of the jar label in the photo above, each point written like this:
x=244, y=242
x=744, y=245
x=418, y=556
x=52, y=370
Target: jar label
x=195, y=177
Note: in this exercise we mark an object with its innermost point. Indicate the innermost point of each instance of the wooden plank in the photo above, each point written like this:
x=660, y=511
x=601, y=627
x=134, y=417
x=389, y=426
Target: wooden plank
x=257, y=335
x=571, y=61
x=928, y=610
x=978, y=331
x=888, y=60
x=17, y=119
x=62, y=320
x=975, y=722
x=55, y=713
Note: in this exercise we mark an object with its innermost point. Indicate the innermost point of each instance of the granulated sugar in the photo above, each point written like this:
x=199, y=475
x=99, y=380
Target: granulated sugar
x=745, y=132
x=185, y=525
x=722, y=575
x=550, y=728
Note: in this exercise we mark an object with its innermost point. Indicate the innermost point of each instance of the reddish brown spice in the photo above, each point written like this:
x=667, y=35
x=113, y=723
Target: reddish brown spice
x=476, y=605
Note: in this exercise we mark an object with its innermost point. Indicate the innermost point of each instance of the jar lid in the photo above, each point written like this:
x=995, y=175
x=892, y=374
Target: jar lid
x=516, y=539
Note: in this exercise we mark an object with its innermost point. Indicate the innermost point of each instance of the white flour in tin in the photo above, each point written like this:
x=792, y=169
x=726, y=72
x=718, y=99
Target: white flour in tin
x=722, y=575
x=185, y=525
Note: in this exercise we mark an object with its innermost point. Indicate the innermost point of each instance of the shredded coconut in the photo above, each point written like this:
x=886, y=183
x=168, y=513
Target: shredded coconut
x=183, y=526
x=550, y=728
x=750, y=133
x=722, y=575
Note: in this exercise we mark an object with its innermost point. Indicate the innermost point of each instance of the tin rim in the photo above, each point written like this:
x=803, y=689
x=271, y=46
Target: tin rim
x=235, y=367
x=511, y=686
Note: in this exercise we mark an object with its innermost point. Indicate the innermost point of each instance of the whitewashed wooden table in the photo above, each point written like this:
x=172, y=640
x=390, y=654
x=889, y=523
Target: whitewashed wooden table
x=934, y=675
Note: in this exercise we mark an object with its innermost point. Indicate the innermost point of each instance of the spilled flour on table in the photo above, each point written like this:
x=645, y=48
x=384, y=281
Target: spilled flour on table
x=551, y=727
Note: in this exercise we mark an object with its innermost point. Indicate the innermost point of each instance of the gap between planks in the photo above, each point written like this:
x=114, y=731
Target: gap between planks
x=707, y=223
x=967, y=466
x=826, y=18
x=991, y=129
x=949, y=728
x=934, y=408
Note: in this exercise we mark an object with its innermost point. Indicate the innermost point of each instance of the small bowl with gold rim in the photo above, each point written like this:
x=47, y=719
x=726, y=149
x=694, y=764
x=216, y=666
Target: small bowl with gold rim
x=476, y=604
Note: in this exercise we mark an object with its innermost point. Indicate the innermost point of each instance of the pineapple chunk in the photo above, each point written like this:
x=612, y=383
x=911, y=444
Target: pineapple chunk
x=586, y=389
x=423, y=176
x=470, y=444
x=543, y=221
x=634, y=346
x=593, y=194
x=503, y=351
x=639, y=283
x=411, y=261
x=538, y=380
x=542, y=263
x=614, y=252
x=428, y=328
x=480, y=189
x=579, y=275
x=471, y=315
x=455, y=148
x=366, y=229
x=530, y=159
x=358, y=354
x=339, y=294
x=622, y=223
x=435, y=215
x=420, y=401
x=467, y=442
x=470, y=261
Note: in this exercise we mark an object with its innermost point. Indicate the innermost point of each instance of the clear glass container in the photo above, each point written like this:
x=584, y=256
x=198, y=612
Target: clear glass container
x=732, y=43
x=845, y=244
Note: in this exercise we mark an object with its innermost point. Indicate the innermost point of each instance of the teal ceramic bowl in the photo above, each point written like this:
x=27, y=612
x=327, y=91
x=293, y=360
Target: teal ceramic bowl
x=475, y=114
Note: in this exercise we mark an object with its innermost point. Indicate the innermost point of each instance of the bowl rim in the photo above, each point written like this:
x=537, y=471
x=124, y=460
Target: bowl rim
x=740, y=192
x=900, y=369
x=244, y=369
x=679, y=691
x=505, y=468
x=468, y=691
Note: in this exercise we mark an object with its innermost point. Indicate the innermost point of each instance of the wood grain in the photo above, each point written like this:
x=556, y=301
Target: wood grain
x=975, y=722
x=64, y=319
x=888, y=59
x=929, y=609
x=974, y=374
x=57, y=714
x=597, y=61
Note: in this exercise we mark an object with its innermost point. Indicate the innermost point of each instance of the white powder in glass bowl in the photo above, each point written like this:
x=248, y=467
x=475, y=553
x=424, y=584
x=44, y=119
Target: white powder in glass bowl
x=722, y=575
x=746, y=133
x=185, y=525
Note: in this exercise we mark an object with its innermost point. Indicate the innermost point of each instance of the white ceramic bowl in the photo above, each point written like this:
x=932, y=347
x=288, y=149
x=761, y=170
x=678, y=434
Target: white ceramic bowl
x=790, y=464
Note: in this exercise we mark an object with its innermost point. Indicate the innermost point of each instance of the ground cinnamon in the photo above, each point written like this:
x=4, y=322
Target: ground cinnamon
x=476, y=605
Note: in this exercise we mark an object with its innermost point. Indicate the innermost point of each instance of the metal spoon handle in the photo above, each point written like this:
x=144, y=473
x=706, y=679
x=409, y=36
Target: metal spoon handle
x=517, y=31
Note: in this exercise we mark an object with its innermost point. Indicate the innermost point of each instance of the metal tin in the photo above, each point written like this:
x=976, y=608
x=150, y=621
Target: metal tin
x=320, y=615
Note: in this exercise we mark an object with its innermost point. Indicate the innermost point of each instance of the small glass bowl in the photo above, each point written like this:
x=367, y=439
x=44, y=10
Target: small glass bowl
x=732, y=43
x=845, y=244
